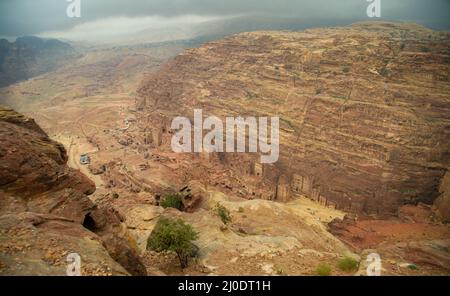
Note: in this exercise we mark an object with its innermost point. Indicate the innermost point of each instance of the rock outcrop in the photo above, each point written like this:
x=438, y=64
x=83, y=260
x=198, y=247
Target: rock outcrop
x=364, y=110
x=442, y=203
x=45, y=212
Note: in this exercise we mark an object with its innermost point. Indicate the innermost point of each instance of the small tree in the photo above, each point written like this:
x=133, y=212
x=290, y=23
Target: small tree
x=176, y=236
x=172, y=201
x=223, y=213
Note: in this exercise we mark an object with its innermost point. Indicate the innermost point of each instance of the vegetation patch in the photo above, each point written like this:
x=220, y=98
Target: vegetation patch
x=323, y=269
x=223, y=213
x=175, y=236
x=279, y=271
x=348, y=264
x=172, y=200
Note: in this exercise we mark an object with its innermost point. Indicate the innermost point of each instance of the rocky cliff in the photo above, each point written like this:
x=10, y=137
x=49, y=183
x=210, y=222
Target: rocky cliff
x=442, y=203
x=364, y=109
x=45, y=213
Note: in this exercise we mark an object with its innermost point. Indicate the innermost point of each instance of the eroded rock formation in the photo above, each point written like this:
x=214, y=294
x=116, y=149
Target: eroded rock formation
x=442, y=203
x=45, y=212
x=364, y=109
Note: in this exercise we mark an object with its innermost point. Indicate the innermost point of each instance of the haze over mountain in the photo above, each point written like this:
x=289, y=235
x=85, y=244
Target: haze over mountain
x=116, y=21
x=30, y=56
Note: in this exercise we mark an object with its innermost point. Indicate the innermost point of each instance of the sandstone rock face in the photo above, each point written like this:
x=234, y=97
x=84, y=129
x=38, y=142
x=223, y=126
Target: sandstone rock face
x=37, y=244
x=31, y=163
x=400, y=243
x=364, y=110
x=442, y=203
x=44, y=206
x=193, y=196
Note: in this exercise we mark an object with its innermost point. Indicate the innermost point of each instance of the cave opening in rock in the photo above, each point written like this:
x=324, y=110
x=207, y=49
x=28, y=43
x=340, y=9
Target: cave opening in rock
x=89, y=222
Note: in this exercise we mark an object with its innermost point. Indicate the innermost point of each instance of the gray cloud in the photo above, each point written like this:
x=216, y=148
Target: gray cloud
x=31, y=17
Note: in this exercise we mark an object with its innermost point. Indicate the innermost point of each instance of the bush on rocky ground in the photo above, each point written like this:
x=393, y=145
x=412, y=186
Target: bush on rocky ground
x=175, y=236
x=323, y=269
x=348, y=264
x=223, y=213
x=172, y=200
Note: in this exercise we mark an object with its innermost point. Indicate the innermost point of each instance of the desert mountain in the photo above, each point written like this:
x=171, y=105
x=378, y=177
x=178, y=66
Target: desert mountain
x=96, y=72
x=364, y=110
x=364, y=129
x=30, y=56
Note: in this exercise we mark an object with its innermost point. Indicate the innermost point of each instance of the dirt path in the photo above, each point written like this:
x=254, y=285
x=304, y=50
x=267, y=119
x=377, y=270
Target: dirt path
x=75, y=148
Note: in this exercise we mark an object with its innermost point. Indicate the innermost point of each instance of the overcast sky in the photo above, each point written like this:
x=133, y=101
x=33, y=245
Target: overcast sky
x=115, y=18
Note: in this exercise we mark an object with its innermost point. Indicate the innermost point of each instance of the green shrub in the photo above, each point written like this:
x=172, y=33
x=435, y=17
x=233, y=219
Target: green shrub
x=413, y=267
x=175, y=236
x=223, y=213
x=323, y=270
x=348, y=264
x=172, y=201
x=241, y=209
x=279, y=271
x=346, y=69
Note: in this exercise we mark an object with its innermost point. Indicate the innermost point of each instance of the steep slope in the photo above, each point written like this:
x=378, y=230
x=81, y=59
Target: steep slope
x=45, y=212
x=30, y=56
x=364, y=109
